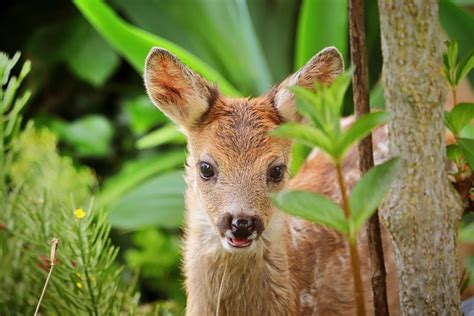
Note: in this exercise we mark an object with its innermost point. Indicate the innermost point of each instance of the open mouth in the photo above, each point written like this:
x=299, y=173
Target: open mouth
x=239, y=242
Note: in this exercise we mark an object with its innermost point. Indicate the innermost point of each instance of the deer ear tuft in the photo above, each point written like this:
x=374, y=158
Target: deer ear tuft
x=175, y=89
x=324, y=67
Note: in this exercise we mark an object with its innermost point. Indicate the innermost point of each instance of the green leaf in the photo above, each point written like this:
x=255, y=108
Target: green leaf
x=454, y=153
x=467, y=147
x=157, y=202
x=377, y=100
x=299, y=152
x=466, y=233
x=89, y=56
x=369, y=192
x=361, y=128
x=458, y=23
x=464, y=67
x=134, y=44
x=142, y=114
x=459, y=117
x=219, y=32
x=452, y=54
x=467, y=131
x=90, y=135
x=319, y=27
x=166, y=134
x=137, y=171
x=312, y=207
x=305, y=134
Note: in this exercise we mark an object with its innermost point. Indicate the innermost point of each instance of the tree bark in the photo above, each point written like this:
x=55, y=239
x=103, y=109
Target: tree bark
x=360, y=88
x=422, y=212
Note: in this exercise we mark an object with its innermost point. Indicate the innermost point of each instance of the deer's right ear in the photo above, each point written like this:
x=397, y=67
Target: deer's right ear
x=324, y=68
x=175, y=89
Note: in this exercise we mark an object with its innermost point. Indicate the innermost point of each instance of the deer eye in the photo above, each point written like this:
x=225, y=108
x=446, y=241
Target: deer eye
x=276, y=173
x=206, y=171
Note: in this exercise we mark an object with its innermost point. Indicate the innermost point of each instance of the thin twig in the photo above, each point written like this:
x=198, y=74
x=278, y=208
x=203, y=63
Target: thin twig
x=52, y=263
x=360, y=86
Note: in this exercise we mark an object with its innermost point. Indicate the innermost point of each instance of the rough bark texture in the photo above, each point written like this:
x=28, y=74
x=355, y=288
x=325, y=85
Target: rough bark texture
x=422, y=212
x=360, y=85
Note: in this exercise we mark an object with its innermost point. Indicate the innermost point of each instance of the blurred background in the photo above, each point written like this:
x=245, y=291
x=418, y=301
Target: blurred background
x=86, y=86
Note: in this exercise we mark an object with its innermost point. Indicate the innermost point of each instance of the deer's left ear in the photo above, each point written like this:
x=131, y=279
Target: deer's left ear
x=175, y=89
x=324, y=67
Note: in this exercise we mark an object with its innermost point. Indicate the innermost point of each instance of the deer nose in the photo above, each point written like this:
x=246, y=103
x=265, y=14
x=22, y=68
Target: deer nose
x=242, y=226
x=242, y=223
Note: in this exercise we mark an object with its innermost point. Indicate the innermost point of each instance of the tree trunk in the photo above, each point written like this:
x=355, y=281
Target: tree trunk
x=422, y=212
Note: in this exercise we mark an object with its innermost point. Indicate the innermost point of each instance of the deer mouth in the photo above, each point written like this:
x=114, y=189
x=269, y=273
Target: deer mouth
x=239, y=242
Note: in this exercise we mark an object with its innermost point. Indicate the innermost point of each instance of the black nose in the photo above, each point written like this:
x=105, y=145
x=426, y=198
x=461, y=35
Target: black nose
x=242, y=223
x=242, y=226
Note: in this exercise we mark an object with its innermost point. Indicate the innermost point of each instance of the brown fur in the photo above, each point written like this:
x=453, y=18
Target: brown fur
x=294, y=267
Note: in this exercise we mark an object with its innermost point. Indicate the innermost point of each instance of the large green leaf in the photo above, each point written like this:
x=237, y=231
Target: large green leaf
x=134, y=44
x=321, y=23
x=305, y=134
x=89, y=56
x=142, y=114
x=467, y=147
x=166, y=134
x=370, y=191
x=137, y=171
x=312, y=207
x=89, y=136
x=459, y=117
x=157, y=202
x=219, y=32
x=466, y=233
x=361, y=128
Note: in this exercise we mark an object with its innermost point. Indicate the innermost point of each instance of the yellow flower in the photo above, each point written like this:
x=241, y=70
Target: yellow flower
x=78, y=275
x=79, y=213
x=79, y=285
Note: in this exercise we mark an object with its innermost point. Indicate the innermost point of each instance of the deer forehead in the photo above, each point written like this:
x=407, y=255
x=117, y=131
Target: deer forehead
x=236, y=131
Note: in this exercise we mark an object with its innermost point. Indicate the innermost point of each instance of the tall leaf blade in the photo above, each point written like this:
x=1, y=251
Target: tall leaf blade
x=134, y=44
x=312, y=207
x=319, y=27
x=370, y=191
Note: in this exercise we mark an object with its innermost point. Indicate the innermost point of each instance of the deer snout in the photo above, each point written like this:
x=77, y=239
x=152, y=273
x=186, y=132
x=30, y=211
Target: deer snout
x=240, y=229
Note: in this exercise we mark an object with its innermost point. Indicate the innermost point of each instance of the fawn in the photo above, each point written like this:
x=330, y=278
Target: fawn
x=241, y=255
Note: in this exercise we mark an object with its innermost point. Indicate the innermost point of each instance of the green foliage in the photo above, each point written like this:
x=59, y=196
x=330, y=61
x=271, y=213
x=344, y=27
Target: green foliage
x=453, y=71
x=164, y=135
x=323, y=109
x=459, y=117
x=370, y=190
x=312, y=207
x=319, y=27
x=157, y=202
x=42, y=196
x=162, y=271
x=134, y=44
x=75, y=43
x=467, y=147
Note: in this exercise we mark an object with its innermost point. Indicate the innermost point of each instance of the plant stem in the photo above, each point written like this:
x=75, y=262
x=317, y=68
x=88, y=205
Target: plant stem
x=355, y=262
x=455, y=97
x=52, y=259
x=342, y=187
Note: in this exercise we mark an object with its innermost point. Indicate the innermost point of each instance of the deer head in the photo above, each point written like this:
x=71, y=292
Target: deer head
x=233, y=162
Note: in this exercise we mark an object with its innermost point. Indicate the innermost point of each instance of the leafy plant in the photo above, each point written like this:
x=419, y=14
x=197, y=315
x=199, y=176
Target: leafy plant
x=43, y=196
x=324, y=111
x=457, y=120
